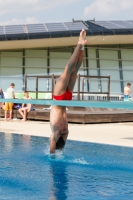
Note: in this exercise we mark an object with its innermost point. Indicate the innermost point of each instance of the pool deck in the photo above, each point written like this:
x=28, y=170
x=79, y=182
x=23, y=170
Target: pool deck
x=120, y=134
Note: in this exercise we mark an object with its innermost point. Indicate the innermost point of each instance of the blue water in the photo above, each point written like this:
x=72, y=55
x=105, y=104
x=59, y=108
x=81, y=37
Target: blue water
x=85, y=170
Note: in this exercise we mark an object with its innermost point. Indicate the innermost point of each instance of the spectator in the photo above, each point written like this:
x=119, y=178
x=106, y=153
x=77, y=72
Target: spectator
x=127, y=92
x=25, y=107
x=1, y=97
x=9, y=95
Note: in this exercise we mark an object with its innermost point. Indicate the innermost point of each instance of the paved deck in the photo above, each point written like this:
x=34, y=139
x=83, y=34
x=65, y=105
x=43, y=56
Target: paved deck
x=113, y=133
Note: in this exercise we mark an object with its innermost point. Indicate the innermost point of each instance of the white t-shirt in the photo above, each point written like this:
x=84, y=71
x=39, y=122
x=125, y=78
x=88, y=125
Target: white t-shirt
x=10, y=93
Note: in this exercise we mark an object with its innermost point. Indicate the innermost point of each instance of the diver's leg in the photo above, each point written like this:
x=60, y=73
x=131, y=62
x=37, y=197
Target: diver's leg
x=75, y=71
x=64, y=79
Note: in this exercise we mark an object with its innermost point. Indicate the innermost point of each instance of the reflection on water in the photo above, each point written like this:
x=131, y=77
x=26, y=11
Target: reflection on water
x=59, y=180
x=26, y=142
x=8, y=142
x=86, y=170
x=12, y=139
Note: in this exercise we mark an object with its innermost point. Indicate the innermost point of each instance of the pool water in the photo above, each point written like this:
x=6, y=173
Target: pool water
x=85, y=170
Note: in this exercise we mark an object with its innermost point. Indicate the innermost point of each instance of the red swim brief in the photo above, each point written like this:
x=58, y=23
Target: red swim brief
x=66, y=96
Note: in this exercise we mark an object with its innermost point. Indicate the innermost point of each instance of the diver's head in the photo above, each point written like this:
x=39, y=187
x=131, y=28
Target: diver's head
x=60, y=143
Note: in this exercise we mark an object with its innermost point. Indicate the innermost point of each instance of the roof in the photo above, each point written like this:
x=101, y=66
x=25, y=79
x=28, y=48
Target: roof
x=65, y=29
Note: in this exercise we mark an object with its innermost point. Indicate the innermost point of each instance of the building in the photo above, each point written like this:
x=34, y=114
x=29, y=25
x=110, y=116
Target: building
x=44, y=49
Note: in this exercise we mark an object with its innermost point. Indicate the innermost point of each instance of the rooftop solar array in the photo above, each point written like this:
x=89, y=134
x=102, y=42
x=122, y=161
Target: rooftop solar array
x=36, y=28
x=115, y=24
x=1, y=30
x=22, y=31
x=66, y=26
x=11, y=29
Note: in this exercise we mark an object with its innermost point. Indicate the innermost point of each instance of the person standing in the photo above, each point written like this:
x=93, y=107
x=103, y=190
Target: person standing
x=127, y=92
x=10, y=94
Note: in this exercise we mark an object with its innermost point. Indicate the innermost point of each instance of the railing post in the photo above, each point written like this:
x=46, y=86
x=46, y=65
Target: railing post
x=37, y=87
x=78, y=86
x=25, y=83
x=52, y=85
x=83, y=88
x=108, y=97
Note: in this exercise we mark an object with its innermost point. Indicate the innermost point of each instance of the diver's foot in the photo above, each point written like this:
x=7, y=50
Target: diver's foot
x=82, y=38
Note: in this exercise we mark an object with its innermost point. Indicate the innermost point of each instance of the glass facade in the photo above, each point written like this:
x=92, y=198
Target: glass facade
x=98, y=61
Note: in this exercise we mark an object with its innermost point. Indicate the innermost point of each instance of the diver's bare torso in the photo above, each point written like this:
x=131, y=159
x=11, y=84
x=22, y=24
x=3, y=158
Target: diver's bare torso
x=58, y=121
x=126, y=90
x=59, y=126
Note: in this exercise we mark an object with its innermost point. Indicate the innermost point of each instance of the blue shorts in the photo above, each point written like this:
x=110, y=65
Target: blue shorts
x=126, y=97
x=32, y=109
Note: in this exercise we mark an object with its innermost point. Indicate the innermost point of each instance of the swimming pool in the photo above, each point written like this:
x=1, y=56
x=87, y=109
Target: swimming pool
x=85, y=170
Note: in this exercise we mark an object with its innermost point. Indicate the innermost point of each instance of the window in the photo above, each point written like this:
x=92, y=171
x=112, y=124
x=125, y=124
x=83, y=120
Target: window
x=93, y=82
x=35, y=65
x=11, y=69
x=110, y=67
x=127, y=67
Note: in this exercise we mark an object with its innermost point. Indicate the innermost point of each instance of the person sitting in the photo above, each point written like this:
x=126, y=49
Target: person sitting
x=127, y=92
x=1, y=97
x=25, y=107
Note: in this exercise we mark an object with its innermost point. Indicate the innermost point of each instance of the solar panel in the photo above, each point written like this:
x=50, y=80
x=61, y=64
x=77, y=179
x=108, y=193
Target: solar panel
x=107, y=24
x=55, y=27
x=75, y=26
x=115, y=24
x=36, y=28
x=131, y=23
x=123, y=24
x=11, y=29
x=1, y=30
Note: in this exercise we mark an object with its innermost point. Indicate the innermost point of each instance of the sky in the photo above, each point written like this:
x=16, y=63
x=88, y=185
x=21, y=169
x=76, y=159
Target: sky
x=47, y=11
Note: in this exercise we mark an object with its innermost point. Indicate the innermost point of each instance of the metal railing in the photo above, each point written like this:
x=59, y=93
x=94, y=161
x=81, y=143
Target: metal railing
x=79, y=92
